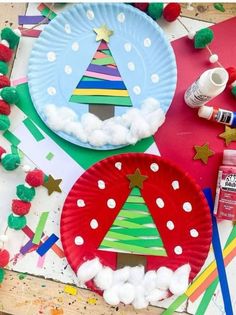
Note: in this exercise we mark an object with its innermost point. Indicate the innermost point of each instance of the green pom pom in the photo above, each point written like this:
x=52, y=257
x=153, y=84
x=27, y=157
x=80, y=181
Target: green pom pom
x=155, y=10
x=2, y=273
x=203, y=38
x=233, y=91
x=10, y=162
x=25, y=193
x=16, y=223
x=3, y=67
x=4, y=122
x=8, y=34
x=10, y=95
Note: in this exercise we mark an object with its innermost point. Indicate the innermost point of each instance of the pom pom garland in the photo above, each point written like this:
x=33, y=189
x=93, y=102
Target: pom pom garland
x=155, y=10
x=9, y=35
x=5, y=108
x=10, y=161
x=4, y=258
x=2, y=273
x=5, y=53
x=171, y=11
x=35, y=178
x=4, y=122
x=10, y=95
x=16, y=223
x=213, y=58
x=233, y=91
x=191, y=34
x=20, y=207
x=4, y=81
x=203, y=37
x=24, y=193
x=2, y=151
x=3, y=67
x=141, y=6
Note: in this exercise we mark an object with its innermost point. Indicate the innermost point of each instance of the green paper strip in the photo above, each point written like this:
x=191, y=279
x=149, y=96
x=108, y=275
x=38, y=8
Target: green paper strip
x=48, y=13
x=178, y=302
x=143, y=220
x=103, y=61
x=11, y=138
x=119, y=236
x=132, y=214
x=85, y=78
x=49, y=156
x=135, y=206
x=104, y=100
x=39, y=230
x=14, y=150
x=145, y=243
x=127, y=224
x=38, y=136
x=107, y=52
x=135, y=192
x=136, y=232
x=135, y=199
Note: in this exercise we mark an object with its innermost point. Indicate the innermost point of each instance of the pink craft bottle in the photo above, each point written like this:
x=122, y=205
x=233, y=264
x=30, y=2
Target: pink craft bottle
x=225, y=200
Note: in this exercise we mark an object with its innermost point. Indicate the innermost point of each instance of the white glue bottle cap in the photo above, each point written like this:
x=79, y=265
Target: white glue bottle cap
x=205, y=112
x=229, y=157
x=216, y=80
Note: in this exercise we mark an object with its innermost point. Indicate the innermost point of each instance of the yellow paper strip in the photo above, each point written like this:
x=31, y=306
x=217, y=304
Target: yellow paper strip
x=100, y=92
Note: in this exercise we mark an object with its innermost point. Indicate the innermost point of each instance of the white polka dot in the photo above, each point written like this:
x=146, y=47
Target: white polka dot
x=51, y=91
x=194, y=233
x=90, y=15
x=137, y=89
x=101, y=184
x=160, y=203
x=68, y=69
x=178, y=250
x=111, y=203
x=175, y=185
x=154, y=167
x=51, y=56
x=131, y=66
x=155, y=78
x=67, y=28
x=118, y=165
x=187, y=206
x=121, y=17
x=75, y=46
x=170, y=225
x=80, y=203
x=147, y=42
x=127, y=47
x=94, y=224
x=79, y=240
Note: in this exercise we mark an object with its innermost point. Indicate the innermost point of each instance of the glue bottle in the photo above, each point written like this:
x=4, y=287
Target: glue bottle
x=225, y=200
x=210, y=84
x=219, y=115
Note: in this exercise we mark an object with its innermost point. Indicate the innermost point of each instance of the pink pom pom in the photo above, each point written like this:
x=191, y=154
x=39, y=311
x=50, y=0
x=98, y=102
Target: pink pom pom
x=5, y=108
x=4, y=258
x=4, y=81
x=35, y=178
x=5, y=53
x=2, y=151
x=20, y=207
x=171, y=11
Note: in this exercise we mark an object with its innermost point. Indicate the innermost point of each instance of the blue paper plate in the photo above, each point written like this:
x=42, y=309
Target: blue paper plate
x=67, y=45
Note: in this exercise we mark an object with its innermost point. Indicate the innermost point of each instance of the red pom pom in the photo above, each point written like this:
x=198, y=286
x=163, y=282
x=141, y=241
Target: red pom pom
x=4, y=81
x=141, y=6
x=4, y=258
x=5, y=53
x=5, y=108
x=35, y=178
x=171, y=11
x=20, y=207
x=232, y=75
x=2, y=151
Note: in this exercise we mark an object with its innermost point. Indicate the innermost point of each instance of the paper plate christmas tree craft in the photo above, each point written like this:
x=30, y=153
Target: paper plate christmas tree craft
x=142, y=206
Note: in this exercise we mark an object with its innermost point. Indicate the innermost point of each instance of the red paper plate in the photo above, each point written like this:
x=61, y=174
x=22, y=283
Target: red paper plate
x=183, y=222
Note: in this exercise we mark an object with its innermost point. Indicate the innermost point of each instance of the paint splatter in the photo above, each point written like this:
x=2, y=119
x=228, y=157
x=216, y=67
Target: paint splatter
x=22, y=276
x=57, y=311
x=70, y=290
x=92, y=301
x=219, y=7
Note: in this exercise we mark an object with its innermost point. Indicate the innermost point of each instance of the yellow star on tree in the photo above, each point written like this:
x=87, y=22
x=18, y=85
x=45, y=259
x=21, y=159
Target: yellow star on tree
x=203, y=152
x=103, y=33
x=136, y=179
x=229, y=135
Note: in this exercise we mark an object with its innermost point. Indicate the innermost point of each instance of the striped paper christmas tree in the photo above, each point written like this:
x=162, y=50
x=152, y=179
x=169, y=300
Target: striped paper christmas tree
x=134, y=231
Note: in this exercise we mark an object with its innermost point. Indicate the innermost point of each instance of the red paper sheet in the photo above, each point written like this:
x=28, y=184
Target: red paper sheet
x=183, y=128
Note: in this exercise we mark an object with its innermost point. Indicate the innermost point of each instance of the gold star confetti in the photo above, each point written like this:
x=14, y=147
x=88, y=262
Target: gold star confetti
x=203, y=152
x=52, y=185
x=136, y=179
x=103, y=33
x=229, y=135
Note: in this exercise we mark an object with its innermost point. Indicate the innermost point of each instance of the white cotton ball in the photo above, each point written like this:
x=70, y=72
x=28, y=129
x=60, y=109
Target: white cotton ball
x=103, y=279
x=156, y=295
x=89, y=270
x=126, y=293
x=155, y=120
x=129, y=117
x=149, y=105
x=131, y=139
x=139, y=301
x=140, y=128
x=66, y=114
x=117, y=134
x=76, y=129
x=49, y=110
x=164, y=276
x=149, y=281
x=111, y=295
x=136, y=275
x=121, y=275
x=180, y=279
x=98, y=138
x=90, y=122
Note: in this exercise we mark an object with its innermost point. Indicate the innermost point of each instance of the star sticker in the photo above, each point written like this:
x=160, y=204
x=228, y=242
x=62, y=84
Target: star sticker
x=103, y=33
x=136, y=179
x=52, y=184
x=203, y=153
x=229, y=135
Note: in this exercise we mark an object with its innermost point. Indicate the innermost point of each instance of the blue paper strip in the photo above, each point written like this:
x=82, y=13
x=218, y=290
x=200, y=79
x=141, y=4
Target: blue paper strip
x=219, y=257
x=32, y=19
x=118, y=85
x=44, y=248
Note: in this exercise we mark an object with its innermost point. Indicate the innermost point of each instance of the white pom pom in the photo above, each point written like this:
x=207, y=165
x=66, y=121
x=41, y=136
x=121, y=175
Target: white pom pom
x=139, y=301
x=17, y=32
x=121, y=275
x=126, y=293
x=26, y=168
x=3, y=238
x=191, y=34
x=180, y=279
x=164, y=276
x=3, y=155
x=98, y=138
x=213, y=58
x=111, y=295
x=5, y=43
x=149, y=281
x=149, y=105
x=90, y=122
x=103, y=279
x=156, y=295
x=27, y=185
x=89, y=270
x=136, y=275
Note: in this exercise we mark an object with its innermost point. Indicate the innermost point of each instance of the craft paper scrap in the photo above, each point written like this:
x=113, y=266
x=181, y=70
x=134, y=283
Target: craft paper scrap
x=41, y=261
x=31, y=19
x=29, y=32
x=46, y=11
x=44, y=248
x=40, y=228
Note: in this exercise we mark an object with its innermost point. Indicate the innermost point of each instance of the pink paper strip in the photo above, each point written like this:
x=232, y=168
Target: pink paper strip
x=103, y=45
x=16, y=82
x=41, y=261
x=102, y=76
x=99, y=55
x=29, y=33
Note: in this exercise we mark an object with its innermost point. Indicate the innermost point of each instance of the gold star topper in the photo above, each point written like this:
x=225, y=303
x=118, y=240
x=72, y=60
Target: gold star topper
x=52, y=184
x=136, y=179
x=203, y=152
x=103, y=33
x=229, y=135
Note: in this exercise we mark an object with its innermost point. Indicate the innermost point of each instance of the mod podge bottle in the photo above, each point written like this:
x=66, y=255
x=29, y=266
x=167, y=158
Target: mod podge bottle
x=225, y=201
